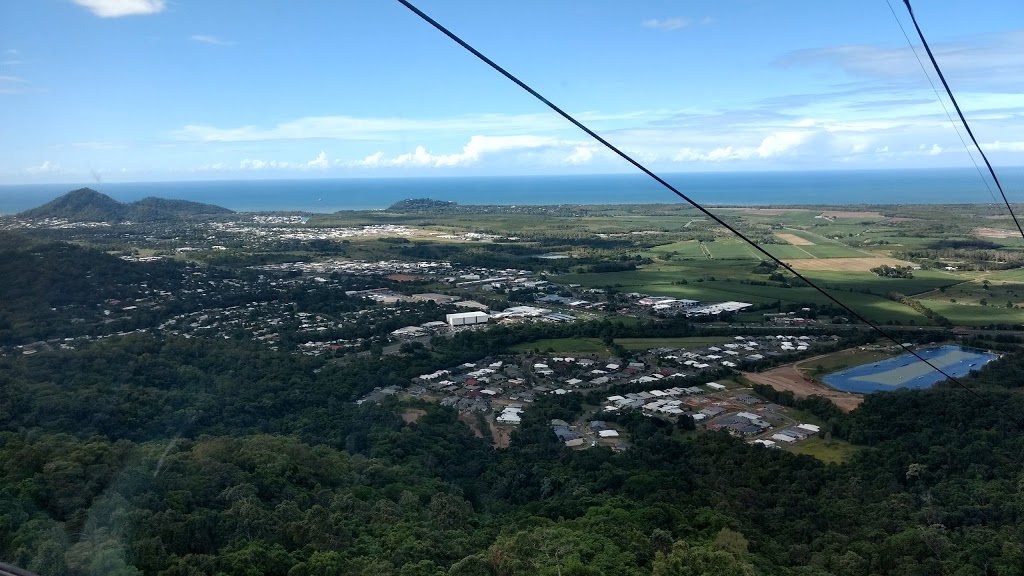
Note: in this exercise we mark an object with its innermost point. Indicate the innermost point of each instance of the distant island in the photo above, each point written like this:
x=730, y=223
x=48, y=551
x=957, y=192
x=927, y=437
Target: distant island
x=422, y=205
x=86, y=204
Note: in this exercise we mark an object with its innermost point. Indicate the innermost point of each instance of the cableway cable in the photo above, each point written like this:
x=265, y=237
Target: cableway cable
x=611, y=147
x=963, y=119
x=942, y=102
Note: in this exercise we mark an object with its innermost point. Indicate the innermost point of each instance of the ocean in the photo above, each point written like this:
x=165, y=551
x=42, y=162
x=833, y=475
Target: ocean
x=940, y=186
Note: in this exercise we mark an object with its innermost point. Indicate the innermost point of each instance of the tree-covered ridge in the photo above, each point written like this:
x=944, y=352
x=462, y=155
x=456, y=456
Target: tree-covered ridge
x=88, y=205
x=144, y=455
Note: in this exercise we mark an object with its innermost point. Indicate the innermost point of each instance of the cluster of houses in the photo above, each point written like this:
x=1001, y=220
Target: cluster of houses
x=263, y=228
x=596, y=431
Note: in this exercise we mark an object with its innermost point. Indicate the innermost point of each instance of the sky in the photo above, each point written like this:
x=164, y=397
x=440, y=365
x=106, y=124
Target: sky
x=165, y=90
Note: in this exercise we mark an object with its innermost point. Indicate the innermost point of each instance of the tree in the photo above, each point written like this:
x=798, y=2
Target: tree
x=706, y=559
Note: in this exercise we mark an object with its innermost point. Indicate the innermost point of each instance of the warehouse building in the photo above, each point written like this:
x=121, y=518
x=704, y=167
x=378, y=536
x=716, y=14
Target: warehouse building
x=466, y=318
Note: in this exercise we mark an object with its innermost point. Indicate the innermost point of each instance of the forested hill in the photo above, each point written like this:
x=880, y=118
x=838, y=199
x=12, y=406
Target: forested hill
x=46, y=284
x=143, y=455
x=88, y=205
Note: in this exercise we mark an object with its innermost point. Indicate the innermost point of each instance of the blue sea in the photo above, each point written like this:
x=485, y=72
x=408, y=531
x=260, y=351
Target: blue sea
x=944, y=186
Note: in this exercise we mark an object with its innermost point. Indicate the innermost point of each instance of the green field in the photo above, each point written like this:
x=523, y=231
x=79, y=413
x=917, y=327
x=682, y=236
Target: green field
x=923, y=281
x=974, y=315
x=829, y=451
x=687, y=342
x=564, y=346
x=846, y=359
x=661, y=281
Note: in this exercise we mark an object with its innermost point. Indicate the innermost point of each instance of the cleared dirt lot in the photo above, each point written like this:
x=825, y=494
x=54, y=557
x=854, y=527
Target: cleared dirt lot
x=794, y=239
x=413, y=414
x=995, y=233
x=789, y=378
x=844, y=264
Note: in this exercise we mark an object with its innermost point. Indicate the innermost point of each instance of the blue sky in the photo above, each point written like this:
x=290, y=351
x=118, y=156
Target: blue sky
x=151, y=90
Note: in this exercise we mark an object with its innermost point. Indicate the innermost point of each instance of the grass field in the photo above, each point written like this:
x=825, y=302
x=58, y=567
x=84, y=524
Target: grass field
x=923, y=281
x=565, y=345
x=976, y=315
x=788, y=251
x=829, y=451
x=661, y=282
x=845, y=359
x=688, y=342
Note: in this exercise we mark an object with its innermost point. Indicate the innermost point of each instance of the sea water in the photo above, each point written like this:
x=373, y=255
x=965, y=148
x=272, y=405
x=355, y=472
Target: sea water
x=943, y=186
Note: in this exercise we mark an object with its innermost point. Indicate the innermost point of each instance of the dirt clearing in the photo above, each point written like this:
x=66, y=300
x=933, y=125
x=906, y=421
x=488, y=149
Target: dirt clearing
x=995, y=233
x=844, y=264
x=470, y=419
x=789, y=378
x=412, y=415
x=794, y=239
x=502, y=435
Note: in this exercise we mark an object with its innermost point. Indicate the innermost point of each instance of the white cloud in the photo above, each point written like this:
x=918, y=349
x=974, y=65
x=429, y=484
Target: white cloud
x=666, y=24
x=118, y=8
x=354, y=128
x=998, y=146
x=255, y=164
x=476, y=149
x=935, y=150
x=12, y=84
x=9, y=62
x=992, y=59
x=780, y=143
x=46, y=167
x=208, y=39
x=320, y=161
x=581, y=155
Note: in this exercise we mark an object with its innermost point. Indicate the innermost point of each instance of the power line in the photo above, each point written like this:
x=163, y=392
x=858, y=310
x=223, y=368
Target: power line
x=967, y=126
x=942, y=102
x=690, y=201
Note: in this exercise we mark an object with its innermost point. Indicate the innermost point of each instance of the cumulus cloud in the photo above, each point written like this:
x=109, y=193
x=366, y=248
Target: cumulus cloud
x=581, y=155
x=320, y=161
x=208, y=39
x=780, y=143
x=476, y=149
x=118, y=8
x=46, y=167
x=666, y=23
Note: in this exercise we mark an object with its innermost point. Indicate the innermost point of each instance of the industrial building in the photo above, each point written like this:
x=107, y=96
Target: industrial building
x=466, y=318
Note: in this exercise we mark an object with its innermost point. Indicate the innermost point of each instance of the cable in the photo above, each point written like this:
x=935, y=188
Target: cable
x=967, y=126
x=693, y=203
x=942, y=102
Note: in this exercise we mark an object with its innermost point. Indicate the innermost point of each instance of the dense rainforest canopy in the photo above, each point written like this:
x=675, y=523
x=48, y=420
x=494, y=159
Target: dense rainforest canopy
x=174, y=456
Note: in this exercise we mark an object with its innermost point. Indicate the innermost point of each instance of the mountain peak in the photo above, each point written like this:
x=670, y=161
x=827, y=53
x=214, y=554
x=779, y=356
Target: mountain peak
x=88, y=205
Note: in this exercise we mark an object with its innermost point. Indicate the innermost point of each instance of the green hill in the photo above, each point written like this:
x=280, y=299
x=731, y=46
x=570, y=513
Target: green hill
x=86, y=204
